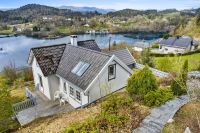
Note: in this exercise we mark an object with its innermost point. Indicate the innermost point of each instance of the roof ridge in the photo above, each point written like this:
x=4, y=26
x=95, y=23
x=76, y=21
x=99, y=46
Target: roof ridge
x=47, y=46
x=89, y=50
x=87, y=40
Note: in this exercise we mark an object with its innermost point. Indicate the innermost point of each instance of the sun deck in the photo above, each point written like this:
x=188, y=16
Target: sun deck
x=43, y=108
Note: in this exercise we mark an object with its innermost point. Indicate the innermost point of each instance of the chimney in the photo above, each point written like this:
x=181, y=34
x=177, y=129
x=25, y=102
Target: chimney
x=73, y=40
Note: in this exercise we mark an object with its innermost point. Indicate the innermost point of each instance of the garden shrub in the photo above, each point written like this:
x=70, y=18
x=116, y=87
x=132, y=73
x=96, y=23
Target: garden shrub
x=155, y=45
x=28, y=75
x=178, y=85
x=146, y=58
x=158, y=97
x=142, y=82
x=108, y=118
x=10, y=73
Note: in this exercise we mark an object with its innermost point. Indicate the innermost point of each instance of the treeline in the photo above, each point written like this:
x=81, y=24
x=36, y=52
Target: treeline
x=30, y=12
x=132, y=13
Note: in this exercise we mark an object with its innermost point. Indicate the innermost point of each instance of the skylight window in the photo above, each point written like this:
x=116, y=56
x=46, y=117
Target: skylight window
x=80, y=68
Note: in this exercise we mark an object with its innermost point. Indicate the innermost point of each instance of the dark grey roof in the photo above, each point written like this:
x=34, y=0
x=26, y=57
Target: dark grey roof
x=89, y=44
x=72, y=56
x=181, y=42
x=124, y=55
x=48, y=57
x=168, y=42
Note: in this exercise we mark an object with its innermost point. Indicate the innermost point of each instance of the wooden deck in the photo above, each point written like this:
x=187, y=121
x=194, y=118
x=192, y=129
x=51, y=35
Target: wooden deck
x=43, y=108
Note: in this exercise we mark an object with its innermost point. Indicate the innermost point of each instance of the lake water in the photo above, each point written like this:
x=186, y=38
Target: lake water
x=16, y=49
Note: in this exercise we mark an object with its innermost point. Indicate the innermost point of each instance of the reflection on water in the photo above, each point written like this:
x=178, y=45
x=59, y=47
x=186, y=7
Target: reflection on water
x=16, y=49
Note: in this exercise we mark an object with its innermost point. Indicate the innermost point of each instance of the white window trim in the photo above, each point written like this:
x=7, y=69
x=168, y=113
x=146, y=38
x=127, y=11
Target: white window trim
x=65, y=87
x=79, y=94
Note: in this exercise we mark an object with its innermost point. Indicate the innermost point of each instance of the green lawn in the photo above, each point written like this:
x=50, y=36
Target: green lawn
x=174, y=64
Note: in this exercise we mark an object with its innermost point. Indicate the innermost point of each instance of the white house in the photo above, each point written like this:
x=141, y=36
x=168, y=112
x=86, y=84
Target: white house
x=140, y=46
x=177, y=45
x=79, y=71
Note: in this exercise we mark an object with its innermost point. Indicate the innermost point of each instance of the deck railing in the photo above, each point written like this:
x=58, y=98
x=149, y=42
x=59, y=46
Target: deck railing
x=30, y=102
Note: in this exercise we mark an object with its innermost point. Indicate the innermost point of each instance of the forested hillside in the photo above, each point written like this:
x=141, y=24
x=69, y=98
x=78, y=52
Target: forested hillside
x=191, y=28
x=30, y=12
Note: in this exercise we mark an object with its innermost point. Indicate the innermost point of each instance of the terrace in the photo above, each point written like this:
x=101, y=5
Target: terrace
x=29, y=110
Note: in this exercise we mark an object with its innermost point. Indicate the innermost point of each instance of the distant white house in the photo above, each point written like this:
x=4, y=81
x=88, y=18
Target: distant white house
x=140, y=46
x=177, y=45
x=79, y=71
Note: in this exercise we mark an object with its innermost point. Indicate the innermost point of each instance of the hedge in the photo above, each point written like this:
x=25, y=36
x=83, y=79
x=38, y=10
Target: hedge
x=172, y=55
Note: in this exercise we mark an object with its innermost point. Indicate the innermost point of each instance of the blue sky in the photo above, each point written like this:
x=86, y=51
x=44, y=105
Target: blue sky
x=114, y=4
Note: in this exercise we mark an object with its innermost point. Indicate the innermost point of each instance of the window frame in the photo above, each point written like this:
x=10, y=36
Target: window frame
x=40, y=80
x=111, y=77
x=78, y=92
x=65, y=87
x=71, y=88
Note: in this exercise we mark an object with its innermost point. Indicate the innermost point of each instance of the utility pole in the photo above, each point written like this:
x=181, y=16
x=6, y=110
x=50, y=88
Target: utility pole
x=109, y=42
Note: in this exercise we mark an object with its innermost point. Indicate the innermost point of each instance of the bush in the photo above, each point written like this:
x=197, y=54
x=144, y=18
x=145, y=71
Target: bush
x=177, y=87
x=142, y=82
x=198, y=19
x=172, y=55
x=198, y=68
x=166, y=36
x=108, y=119
x=156, y=45
x=158, y=97
x=28, y=75
x=146, y=58
x=10, y=74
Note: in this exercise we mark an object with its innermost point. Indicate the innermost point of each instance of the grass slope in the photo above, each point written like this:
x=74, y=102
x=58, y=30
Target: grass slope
x=87, y=119
x=172, y=64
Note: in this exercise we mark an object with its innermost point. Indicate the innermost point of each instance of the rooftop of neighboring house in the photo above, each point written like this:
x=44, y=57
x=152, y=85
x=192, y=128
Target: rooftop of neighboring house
x=90, y=44
x=178, y=42
x=124, y=55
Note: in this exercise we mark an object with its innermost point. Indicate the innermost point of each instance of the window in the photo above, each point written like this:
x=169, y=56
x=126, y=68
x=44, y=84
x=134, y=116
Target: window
x=80, y=68
x=111, y=72
x=71, y=91
x=78, y=95
x=65, y=87
x=40, y=79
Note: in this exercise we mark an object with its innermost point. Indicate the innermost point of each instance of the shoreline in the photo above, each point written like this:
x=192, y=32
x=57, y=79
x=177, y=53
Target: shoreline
x=61, y=35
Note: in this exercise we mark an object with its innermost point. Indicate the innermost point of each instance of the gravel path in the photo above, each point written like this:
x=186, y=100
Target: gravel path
x=159, y=116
